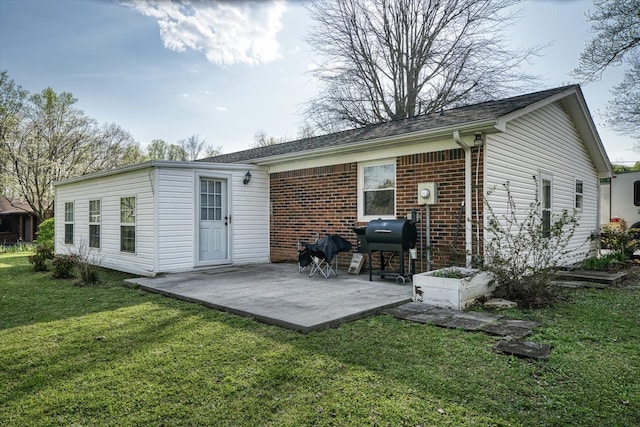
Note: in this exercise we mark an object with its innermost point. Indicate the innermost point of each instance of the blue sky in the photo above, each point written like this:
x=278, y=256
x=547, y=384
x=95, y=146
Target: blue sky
x=163, y=70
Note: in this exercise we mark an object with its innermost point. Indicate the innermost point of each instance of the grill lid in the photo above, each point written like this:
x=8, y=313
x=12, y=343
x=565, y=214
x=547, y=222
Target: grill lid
x=389, y=232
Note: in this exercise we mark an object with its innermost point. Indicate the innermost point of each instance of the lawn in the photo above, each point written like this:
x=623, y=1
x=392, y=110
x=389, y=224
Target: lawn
x=112, y=355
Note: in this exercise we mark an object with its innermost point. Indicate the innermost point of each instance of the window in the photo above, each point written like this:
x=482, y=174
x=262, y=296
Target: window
x=579, y=194
x=210, y=200
x=546, y=203
x=636, y=193
x=128, y=224
x=377, y=189
x=68, y=223
x=94, y=223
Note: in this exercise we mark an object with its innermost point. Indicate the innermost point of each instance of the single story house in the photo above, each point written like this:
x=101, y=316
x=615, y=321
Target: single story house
x=541, y=143
x=17, y=222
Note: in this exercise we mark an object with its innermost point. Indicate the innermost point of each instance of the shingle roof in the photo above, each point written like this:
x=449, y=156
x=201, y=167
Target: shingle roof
x=14, y=207
x=457, y=116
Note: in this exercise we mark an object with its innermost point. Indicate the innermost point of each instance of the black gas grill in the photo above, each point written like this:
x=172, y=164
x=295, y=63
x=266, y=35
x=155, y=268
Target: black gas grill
x=390, y=235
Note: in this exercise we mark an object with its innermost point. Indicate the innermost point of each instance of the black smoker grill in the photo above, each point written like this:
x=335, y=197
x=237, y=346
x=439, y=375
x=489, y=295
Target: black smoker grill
x=390, y=235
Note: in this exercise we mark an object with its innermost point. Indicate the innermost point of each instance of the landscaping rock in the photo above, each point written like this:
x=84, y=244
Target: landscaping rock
x=499, y=303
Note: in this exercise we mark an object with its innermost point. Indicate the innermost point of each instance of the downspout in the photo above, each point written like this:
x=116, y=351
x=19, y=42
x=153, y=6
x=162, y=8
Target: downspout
x=467, y=197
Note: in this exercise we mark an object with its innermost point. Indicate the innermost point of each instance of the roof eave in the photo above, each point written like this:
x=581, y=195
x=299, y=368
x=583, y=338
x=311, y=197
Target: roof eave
x=379, y=143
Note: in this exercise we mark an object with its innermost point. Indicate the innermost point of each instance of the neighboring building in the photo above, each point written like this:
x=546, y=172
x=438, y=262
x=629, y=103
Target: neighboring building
x=620, y=198
x=328, y=184
x=17, y=222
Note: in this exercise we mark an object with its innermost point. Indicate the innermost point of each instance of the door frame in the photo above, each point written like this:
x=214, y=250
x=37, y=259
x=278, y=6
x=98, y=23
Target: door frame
x=228, y=178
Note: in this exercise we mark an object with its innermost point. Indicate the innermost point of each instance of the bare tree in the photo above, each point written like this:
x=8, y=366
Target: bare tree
x=617, y=43
x=263, y=140
x=193, y=146
x=44, y=138
x=391, y=59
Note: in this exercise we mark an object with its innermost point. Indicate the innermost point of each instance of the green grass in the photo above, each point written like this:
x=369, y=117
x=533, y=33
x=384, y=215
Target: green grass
x=112, y=355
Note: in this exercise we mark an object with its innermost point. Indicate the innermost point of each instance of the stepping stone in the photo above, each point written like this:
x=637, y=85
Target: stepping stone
x=457, y=322
x=592, y=276
x=442, y=311
x=573, y=284
x=425, y=318
x=524, y=349
x=479, y=316
x=505, y=330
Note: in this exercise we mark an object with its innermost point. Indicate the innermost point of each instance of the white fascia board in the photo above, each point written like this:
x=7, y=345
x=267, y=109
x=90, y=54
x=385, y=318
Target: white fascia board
x=503, y=120
x=160, y=164
x=377, y=144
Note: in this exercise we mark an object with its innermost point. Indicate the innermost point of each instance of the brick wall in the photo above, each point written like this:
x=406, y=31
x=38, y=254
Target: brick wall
x=313, y=202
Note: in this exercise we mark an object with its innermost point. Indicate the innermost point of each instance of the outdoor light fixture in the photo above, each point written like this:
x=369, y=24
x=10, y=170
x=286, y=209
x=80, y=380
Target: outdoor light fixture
x=247, y=178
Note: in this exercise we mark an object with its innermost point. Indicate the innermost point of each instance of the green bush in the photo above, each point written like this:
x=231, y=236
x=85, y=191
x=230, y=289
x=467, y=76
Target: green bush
x=522, y=249
x=46, y=234
x=618, y=239
x=64, y=266
x=40, y=257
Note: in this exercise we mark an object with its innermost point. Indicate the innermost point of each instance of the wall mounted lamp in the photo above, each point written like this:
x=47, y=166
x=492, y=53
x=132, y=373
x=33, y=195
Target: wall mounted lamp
x=247, y=178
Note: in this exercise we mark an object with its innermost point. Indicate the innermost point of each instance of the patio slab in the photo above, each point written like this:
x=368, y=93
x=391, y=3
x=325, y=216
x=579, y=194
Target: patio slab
x=278, y=294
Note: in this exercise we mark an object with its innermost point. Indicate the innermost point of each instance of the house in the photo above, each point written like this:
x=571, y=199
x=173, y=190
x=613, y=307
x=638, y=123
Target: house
x=541, y=143
x=17, y=222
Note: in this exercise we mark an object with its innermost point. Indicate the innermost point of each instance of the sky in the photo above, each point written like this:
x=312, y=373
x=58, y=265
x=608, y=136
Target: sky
x=224, y=71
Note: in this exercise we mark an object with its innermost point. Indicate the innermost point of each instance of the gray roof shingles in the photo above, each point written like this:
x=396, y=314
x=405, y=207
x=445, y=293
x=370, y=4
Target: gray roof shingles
x=456, y=116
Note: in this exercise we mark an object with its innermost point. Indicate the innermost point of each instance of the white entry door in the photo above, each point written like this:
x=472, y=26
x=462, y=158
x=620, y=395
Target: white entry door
x=214, y=220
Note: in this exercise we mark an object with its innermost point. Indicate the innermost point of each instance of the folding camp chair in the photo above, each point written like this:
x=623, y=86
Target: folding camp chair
x=322, y=255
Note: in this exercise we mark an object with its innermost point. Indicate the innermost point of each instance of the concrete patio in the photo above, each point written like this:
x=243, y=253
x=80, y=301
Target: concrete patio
x=278, y=294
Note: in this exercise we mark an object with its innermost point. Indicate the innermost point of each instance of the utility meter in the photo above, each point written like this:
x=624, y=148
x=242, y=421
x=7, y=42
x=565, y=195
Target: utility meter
x=427, y=193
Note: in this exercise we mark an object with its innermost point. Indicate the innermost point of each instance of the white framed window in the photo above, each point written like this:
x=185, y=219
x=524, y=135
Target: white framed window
x=377, y=189
x=95, y=218
x=128, y=224
x=68, y=223
x=579, y=194
x=545, y=195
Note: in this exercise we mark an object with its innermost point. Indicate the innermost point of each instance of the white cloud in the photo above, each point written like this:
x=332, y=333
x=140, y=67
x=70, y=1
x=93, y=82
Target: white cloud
x=221, y=109
x=227, y=32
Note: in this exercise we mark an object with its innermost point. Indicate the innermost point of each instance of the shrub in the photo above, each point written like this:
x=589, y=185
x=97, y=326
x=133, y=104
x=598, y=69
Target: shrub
x=618, y=239
x=86, y=268
x=523, y=251
x=64, y=266
x=87, y=274
x=40, y=257
x=46, y=234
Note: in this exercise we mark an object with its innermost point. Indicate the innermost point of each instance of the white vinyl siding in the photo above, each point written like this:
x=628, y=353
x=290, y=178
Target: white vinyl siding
x=544, y=140
x=177, y=219
x=111, y=189
x=165, y=216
